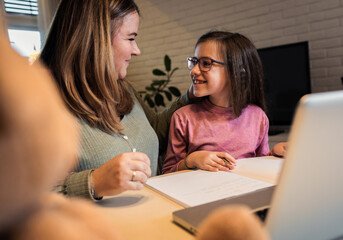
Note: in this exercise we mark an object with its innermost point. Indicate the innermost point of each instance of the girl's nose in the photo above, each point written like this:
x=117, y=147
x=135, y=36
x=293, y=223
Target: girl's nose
x=196, y=70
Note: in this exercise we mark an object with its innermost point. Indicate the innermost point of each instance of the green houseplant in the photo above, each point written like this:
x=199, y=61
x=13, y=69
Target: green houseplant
x=154, y=93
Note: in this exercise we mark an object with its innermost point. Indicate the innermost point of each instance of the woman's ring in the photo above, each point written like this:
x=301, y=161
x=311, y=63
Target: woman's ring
x=133, y=178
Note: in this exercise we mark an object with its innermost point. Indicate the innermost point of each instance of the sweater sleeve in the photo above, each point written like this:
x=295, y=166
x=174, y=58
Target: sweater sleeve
x=263, y=148
x=77, y=185
x=160, y=122
x=177, y=145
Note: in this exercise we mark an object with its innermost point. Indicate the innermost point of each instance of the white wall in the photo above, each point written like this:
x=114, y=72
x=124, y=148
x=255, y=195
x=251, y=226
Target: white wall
x=47, y=11
x=173, y=26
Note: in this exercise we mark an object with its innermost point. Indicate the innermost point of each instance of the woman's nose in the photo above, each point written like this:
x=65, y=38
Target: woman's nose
x=136, y=51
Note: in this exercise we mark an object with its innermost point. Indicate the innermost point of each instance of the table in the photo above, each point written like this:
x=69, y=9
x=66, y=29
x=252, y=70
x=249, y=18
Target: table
x=144, y=214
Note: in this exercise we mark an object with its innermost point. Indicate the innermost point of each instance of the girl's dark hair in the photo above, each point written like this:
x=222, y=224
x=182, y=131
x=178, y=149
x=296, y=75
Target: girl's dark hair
x=243, y=66
x=78, y=51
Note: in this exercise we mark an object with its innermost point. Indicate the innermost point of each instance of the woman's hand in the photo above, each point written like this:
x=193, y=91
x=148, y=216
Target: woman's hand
x=211, y=161
x=127, y=171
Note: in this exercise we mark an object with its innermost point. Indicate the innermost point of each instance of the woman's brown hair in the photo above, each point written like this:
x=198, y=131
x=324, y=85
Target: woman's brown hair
x=79, y=53
x=243, y=66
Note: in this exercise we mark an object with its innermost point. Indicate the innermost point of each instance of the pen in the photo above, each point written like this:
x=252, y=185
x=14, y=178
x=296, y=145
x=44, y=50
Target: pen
x=228, y=162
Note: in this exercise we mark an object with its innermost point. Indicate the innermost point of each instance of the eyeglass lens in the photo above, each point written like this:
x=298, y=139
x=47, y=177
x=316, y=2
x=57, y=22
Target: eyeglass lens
x=204, y=63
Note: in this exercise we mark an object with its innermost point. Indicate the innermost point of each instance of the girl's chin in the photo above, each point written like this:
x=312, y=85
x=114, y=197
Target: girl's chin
x=199, y=94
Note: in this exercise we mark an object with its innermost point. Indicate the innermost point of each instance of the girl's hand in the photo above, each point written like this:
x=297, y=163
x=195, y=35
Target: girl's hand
x=211, y=161
x=279, y=149
x=127, y=171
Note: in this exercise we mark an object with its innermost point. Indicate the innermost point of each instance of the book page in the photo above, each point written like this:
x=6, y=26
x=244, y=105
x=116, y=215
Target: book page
x=265, y=169
x=193, y=188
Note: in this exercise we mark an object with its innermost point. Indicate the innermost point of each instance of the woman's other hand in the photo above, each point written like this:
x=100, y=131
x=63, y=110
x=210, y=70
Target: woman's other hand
x=127, y=171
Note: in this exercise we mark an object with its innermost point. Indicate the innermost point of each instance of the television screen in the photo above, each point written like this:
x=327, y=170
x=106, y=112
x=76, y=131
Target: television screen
x=287, y=79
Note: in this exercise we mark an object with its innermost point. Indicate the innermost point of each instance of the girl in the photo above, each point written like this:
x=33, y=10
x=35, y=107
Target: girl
x=227, y=72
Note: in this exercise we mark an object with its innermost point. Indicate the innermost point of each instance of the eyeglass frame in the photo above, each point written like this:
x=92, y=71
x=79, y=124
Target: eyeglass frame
x=190, y=59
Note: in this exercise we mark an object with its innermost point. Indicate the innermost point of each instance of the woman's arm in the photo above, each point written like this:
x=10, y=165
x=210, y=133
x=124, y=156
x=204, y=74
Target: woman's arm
x=76, y=184
x=126, y=171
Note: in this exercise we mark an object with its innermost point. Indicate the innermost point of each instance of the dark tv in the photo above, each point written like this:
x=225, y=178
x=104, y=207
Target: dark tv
x=286, y=80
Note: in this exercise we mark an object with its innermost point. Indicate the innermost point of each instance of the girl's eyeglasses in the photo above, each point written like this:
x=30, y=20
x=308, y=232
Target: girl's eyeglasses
x=205, y=63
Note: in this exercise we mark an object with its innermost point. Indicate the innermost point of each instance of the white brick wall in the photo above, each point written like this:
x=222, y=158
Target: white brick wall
x=173, y=26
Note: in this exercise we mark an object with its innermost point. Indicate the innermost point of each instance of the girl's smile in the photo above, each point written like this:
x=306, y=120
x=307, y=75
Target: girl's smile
x=197, y=81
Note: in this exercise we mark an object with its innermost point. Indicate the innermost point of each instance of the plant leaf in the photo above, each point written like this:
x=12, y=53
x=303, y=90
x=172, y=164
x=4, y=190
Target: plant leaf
x=167, y=63
x=158, y=82
x=158, y=72
x=174, y=91
x=151, y=88
x=168, y=95
x=150, y=102
x=146, y=97
x=173, y=71
x=159, y=100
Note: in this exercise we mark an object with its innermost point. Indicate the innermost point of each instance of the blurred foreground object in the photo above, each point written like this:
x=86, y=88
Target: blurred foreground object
x=232, y=223
x=38, y=147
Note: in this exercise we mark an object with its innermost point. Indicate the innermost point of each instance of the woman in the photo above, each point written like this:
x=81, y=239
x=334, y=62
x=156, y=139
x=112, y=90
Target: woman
x=88, y=50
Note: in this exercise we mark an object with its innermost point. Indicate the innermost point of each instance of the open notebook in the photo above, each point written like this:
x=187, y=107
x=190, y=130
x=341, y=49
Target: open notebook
x=308, y=200
x=192, y=188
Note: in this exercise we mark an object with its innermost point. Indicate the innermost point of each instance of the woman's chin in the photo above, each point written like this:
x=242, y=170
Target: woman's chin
x=122, y=75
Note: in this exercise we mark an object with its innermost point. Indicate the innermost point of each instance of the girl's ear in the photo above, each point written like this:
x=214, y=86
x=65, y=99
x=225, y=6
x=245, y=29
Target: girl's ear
x=243, y=73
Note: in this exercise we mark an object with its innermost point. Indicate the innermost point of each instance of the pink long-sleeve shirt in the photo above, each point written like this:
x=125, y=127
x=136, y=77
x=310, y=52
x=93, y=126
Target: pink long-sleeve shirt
x=204, y=126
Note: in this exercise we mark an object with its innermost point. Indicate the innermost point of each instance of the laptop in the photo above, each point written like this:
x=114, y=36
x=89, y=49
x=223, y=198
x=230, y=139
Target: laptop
x=307, y=203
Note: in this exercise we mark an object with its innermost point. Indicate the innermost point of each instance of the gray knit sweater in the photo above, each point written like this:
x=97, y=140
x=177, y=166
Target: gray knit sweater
x=147, y=132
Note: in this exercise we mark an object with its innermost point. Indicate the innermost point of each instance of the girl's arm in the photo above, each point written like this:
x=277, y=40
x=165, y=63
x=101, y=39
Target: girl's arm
x=177, y=159
x=177, y=145
x=263, y=148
